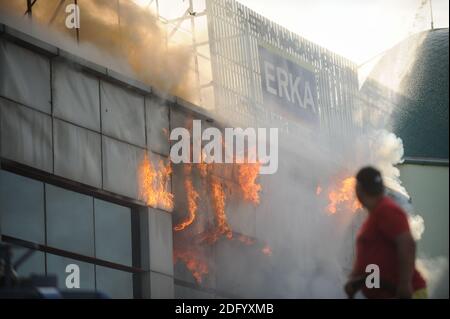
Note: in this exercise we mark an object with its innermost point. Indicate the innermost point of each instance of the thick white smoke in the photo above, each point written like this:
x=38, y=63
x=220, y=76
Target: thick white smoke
x=387, y=152
x=435, y=272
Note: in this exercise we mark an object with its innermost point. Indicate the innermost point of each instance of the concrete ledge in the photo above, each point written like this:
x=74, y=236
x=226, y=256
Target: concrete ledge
x=28, y=41
x=200, y=112
x=128, y=82
x=88, y=65
x=164, y=96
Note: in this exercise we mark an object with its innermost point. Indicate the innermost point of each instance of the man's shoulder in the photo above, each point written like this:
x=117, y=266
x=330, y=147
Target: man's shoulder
x=388, y=205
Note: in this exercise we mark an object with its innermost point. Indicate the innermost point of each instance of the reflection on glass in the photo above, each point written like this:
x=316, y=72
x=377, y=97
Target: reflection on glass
x=113, y=232
x=70, y=222
x=117, y=284
x=35, y=264
x=22, y=207
x=56, y=265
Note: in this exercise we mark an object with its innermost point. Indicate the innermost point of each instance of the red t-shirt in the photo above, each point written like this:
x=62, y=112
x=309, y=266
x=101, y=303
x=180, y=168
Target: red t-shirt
x=375, y=245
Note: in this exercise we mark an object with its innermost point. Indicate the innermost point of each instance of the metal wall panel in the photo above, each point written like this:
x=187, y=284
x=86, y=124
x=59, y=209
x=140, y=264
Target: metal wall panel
x=120, y=167
x=76, y=96
x=157, y=126
x=77, y=153
x=25, y=76
x=123, y=115
x=162, y=286
x=160, y=239
x=241, y=214
x=26, y=135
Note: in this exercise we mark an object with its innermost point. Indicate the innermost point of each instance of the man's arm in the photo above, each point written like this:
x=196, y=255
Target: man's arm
x=406, y=250
x=354, y=283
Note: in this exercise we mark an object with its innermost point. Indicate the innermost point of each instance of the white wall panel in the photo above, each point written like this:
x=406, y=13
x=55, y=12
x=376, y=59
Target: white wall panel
x=157, y=126
x=77, y=153
x=123, y=114
x=120, y=167
x=26, y=135
x=76, y=96
x=25, y=76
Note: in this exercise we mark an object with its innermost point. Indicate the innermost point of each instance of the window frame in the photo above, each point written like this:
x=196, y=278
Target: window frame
x=135, y=206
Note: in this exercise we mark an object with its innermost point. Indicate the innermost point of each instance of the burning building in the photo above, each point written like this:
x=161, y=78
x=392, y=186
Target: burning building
x=86, y=179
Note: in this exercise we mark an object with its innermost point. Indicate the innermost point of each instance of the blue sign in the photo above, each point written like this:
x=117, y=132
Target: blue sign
x=288, y=88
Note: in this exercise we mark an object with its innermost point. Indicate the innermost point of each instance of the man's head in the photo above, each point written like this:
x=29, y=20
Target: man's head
x=369, y=186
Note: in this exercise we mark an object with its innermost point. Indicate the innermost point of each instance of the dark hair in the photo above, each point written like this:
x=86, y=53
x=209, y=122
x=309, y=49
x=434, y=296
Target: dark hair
x=370, y=181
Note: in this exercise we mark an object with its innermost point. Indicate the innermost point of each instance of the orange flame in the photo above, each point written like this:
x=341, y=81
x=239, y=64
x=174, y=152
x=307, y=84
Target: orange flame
x=248, y=173
x=222, y=226
x=153, y=184
x=192, y=197
x=246, y=179
x=197, y=266
x=219, y=206
x=345, y=194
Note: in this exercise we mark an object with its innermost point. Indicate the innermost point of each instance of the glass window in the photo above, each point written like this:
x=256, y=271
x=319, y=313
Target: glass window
x=113, y=232
x=75, y=223
x=22, y=207
x=56, y=265
x=35, y=264
x=115, y=283
x=70, y=221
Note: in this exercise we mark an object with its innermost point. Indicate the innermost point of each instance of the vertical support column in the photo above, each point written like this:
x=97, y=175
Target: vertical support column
x=194, y=48
x=156, y=254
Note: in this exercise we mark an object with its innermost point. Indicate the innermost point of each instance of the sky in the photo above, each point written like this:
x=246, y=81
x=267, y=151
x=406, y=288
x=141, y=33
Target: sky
x=356, y=29
x=359, y=30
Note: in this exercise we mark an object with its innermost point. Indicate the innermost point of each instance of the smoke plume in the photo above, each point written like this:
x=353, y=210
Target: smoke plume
x=116, y=34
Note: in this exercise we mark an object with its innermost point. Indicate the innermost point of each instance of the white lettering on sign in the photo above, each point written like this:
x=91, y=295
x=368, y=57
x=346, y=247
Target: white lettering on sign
x=286, y=85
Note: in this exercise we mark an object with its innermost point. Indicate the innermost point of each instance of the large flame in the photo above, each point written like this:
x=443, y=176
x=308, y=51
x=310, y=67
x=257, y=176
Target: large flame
x=192, y=198
x=248, y=173
x=153, y=184
x=344, y=195
x=213, y=190
x=222, y=227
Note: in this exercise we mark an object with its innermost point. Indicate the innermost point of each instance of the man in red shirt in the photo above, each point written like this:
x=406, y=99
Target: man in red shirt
x=383, y=240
